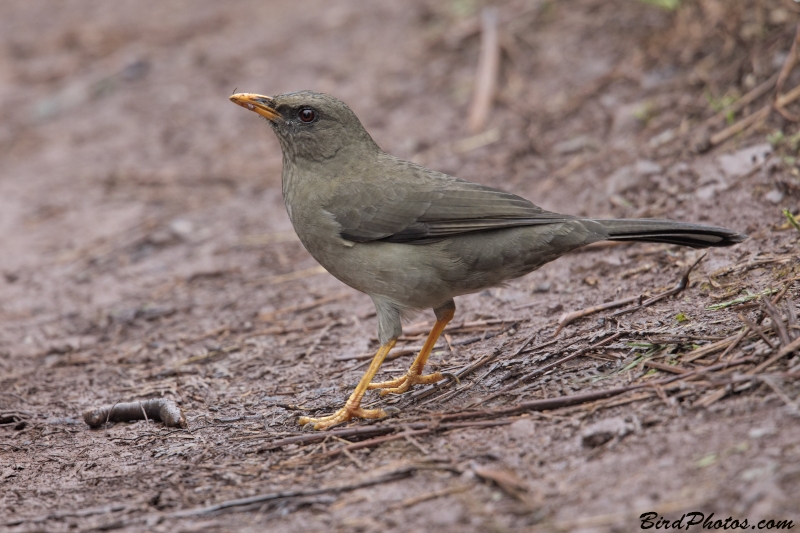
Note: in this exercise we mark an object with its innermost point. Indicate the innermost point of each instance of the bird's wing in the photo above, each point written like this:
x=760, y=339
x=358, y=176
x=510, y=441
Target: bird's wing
x=425, y=206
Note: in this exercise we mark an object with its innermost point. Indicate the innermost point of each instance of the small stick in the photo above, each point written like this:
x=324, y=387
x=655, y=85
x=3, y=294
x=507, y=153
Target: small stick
x=788, y=65
x=711, y=398
x=777, y=321
x=321, y=335
x=408, y=502
x=528, y=341
x=662, y=395
x=373, y=442
x=735, y=342
x=159, y=409
x=414, y=442
x=783, y=291
x=449, y=340
x=266, y=317
x=730, y=131
x=108, y=415
x=568, y=318
x=60, y=515
x=577, y=399
x=791, y=315
x=665, y=368
x=680, y=286
x=386, y=478
x=544, y=369
x=360, y=431
x=748, y=265
x=487, y=72
x=782, y=395
x=708, y=349
x=757, y=329
x=786, y=350
x=745, y=100
x=353, y=458
x=410, y=430
x=411, y=350
x=282, y=330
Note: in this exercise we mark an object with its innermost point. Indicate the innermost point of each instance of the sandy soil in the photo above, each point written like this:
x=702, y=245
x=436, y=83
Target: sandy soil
x=146, y=253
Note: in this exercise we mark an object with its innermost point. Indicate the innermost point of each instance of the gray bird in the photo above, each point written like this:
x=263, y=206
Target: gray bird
x=413, y=238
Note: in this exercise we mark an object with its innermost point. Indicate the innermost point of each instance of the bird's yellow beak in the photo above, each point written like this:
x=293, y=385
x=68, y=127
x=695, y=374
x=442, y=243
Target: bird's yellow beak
x=256, y=103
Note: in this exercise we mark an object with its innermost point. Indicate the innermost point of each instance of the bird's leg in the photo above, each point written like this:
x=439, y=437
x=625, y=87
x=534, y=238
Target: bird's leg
x=414, y=375
x=352, y=409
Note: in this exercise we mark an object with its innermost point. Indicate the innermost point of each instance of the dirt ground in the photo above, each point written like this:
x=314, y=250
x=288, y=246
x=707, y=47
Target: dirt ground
x=146, y=253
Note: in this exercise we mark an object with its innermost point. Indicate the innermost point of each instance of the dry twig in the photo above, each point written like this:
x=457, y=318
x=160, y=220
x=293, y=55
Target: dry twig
x=487, y=72
x=777, y=322
x=577, y=399
x=546, y=368
x=679, y=287
x=738, y=127
x=262, y=498
x=788, y=66
x=786, y=350
x=568, y=318
x=266, y=317
x=743, y=102
x=665, y=367
x=60, y=515
x=157, y=409
x=408, y=502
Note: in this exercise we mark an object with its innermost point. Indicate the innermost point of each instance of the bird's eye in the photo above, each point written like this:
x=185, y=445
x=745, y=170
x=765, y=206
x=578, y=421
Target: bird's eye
x=307, y=115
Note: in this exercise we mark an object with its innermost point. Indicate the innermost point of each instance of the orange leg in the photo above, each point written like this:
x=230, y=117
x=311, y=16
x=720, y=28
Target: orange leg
x=414, y=374
x=352, y=409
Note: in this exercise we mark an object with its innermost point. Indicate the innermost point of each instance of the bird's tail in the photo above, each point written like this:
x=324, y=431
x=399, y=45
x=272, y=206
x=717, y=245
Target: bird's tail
x=670, y=232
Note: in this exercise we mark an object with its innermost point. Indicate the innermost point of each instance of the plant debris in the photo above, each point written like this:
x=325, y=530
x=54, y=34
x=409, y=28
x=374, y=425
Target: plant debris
x=157, y=410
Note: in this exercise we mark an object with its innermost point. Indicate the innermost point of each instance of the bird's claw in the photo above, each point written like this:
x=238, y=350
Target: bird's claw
x=404, y=382
x=342, y=415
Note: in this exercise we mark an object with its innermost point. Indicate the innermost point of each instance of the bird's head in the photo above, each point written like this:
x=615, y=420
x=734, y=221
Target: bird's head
x=310, y=126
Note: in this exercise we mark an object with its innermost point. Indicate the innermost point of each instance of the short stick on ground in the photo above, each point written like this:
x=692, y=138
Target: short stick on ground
x=157, y=409
x=780, y=394
x=568, y=318
x=546, y=368
x=777, y=321
x=786, y=350
x=408, y=502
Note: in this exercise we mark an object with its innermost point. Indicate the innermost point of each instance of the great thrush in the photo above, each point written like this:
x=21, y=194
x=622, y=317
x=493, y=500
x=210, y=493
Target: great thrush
x=413, y=238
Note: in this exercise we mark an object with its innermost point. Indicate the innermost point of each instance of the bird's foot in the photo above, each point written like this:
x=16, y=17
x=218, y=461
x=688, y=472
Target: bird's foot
x=404, y=382
x=344, y=414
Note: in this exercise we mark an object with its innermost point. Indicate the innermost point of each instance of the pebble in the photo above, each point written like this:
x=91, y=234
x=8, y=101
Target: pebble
x=603, y=431
x=522, y=429
x=743, y=161
x=774, y=196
